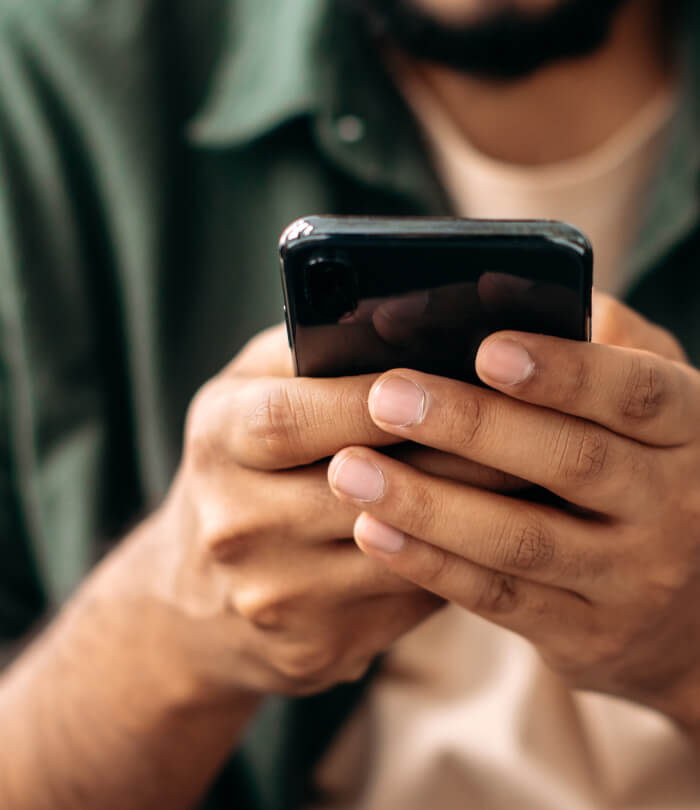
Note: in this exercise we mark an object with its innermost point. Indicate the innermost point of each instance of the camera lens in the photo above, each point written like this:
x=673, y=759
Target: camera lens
x=330, y=288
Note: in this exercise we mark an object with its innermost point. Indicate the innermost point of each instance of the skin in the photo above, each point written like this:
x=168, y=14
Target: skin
x=566, y=109
x=242, y=583
x=605, y=585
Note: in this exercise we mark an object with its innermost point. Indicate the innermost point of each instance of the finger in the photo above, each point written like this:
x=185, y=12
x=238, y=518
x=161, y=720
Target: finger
x=383, y=618
x=617, y=325
x=513, y=537
x=537, y=612
x=632, y=392
x=463, y=470
x=244, y=514
x=265, y=355
x=273, y=424
x=577, y=460
x=345, y=639
x=294, y=584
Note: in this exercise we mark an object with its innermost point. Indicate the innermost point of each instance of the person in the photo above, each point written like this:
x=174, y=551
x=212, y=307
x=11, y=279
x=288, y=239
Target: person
x=231, y=647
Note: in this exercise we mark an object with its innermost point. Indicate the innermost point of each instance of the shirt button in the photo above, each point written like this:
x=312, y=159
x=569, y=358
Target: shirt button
x=350, y=128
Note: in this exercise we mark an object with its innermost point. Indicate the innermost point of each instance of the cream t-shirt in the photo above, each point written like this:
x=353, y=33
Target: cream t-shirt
x=464, y=715
x=601, y=192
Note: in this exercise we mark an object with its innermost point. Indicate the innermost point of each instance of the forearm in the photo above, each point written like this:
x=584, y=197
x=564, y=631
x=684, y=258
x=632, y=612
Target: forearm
x=98, y=713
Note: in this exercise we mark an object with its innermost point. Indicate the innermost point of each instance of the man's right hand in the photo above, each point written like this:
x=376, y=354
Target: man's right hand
x=252, y=545
x=243, y=583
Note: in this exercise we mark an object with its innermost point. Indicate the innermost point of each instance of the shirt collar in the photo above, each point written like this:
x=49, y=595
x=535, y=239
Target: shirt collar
x=673, y=210
x=267, y=73
x=287, y=59
x=295, y=58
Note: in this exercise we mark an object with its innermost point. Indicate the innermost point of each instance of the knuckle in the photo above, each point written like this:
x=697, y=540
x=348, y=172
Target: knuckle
x=583, y=452
x=226, y=539
x=498, y=596
x=435, y=567
x=203, y=447
x=420, y=507
x=577, y=382
x=467, y=422
x=263, y=607
x=307, y=686
x=527, y=547
x=273, y=426
x=644, y=393
x=307, y=662
x=653, y=482
x=356, y=671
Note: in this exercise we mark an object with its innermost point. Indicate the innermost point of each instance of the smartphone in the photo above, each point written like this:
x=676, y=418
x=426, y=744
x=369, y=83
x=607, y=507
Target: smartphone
x=366, y=294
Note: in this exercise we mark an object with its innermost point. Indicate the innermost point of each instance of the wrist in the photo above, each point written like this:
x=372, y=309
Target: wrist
x=107, y=700
x=148, y=638
x=100, y=701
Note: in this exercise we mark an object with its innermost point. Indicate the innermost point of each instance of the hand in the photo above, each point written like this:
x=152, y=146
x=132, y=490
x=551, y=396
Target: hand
x=607, y=585
x=241, y=584
x=250, y=544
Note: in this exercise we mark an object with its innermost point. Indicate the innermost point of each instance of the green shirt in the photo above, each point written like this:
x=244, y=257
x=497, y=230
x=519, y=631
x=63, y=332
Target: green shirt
x=150, y=154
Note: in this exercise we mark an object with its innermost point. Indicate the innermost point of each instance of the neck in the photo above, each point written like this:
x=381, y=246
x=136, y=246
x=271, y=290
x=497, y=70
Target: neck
x=567, y=109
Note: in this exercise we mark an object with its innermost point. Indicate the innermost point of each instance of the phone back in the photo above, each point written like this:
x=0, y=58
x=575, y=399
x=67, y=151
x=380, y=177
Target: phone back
x=364, y=294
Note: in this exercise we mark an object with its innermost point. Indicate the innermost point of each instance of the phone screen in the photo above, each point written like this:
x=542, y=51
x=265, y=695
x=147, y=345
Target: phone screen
x=362, y=304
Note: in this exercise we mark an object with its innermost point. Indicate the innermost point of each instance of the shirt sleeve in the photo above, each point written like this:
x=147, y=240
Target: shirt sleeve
x=22, y=598
x=63, y=429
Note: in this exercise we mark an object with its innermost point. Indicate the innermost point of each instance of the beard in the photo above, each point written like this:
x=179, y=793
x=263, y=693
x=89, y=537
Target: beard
x=507, y=44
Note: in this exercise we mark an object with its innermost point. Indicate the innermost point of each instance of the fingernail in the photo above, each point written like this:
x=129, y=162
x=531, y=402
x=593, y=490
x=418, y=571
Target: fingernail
x=397, y=401
x=379, y=536
x=505, y=362
x=359, y=479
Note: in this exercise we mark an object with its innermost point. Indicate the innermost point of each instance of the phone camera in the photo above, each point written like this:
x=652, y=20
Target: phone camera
x=331, y=288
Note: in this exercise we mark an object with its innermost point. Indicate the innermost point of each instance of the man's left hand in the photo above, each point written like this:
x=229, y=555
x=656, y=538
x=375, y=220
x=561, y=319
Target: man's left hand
x=606, y=583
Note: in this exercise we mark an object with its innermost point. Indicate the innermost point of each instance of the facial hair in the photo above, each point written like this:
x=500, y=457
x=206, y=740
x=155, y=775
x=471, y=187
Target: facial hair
x=506, y=45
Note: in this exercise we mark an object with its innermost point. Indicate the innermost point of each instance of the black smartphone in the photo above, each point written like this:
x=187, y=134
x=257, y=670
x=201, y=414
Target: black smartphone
x=365, y=294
